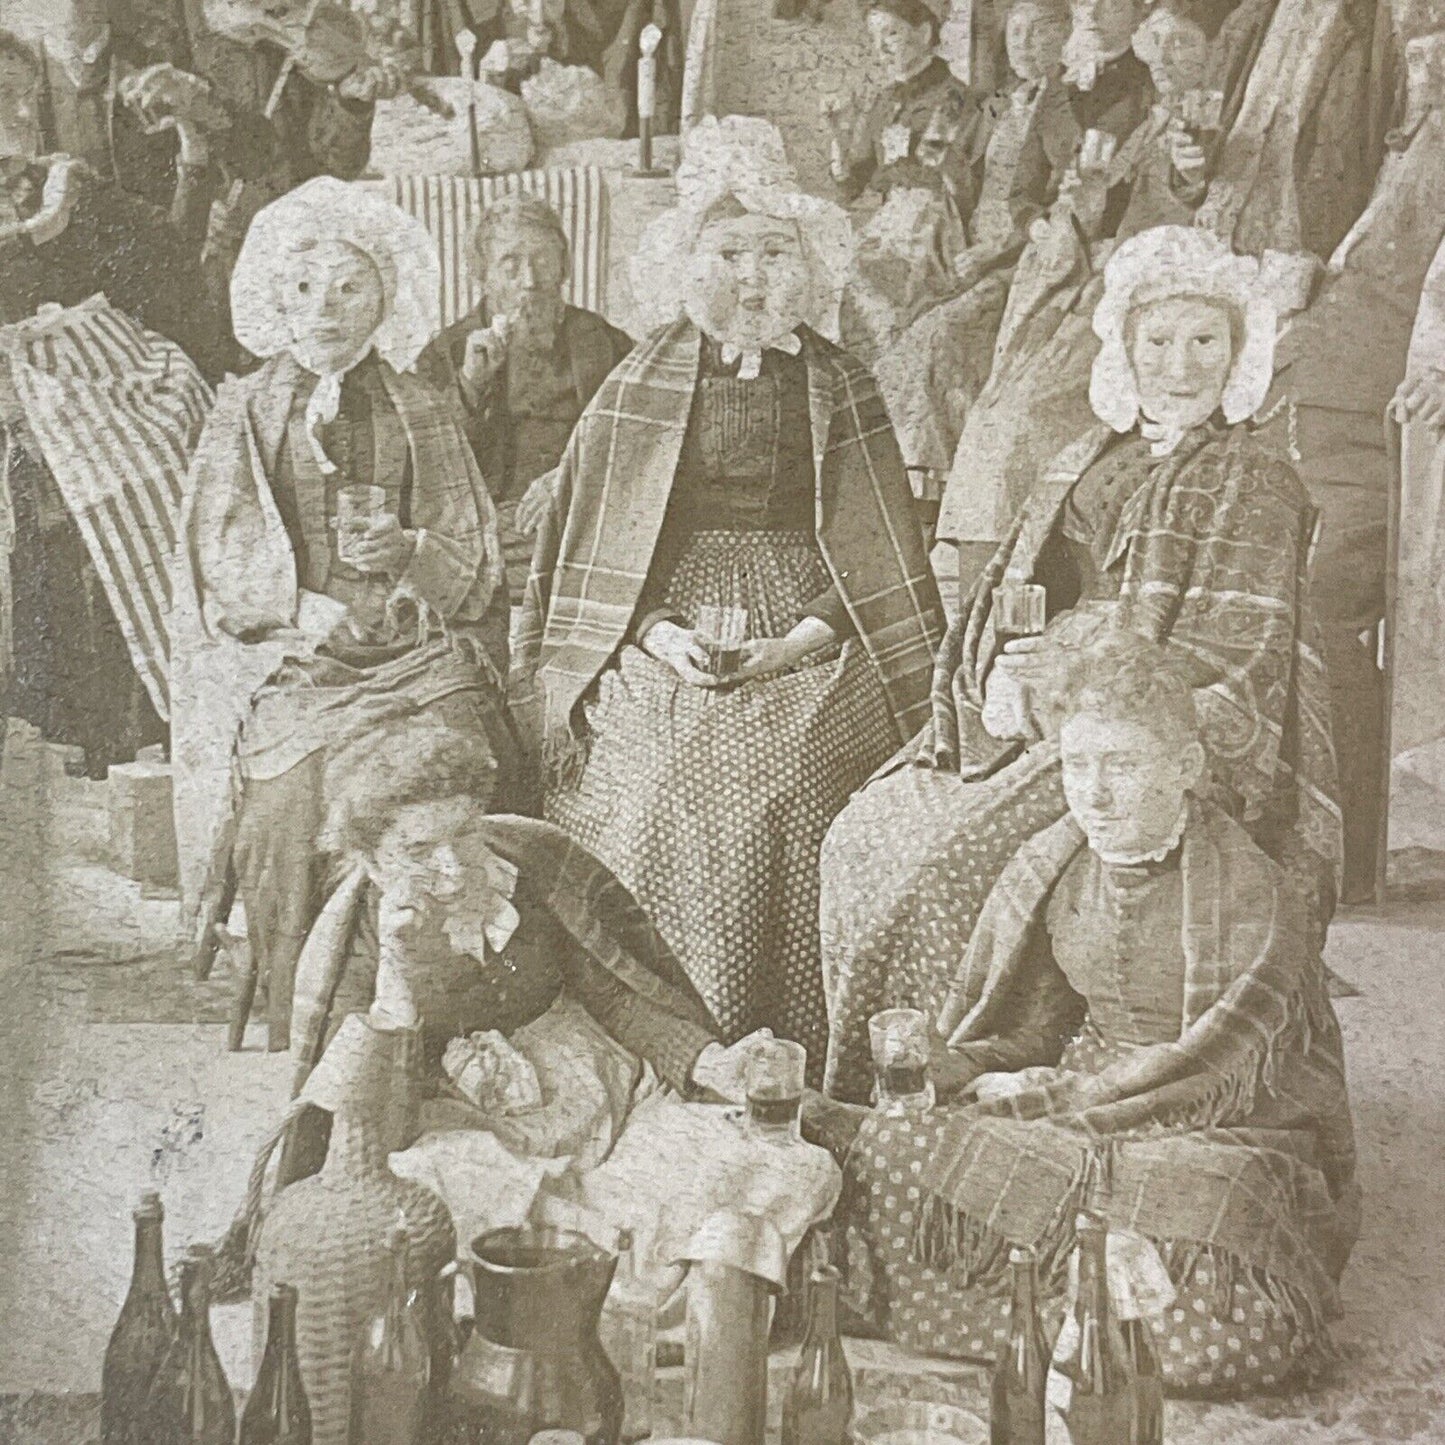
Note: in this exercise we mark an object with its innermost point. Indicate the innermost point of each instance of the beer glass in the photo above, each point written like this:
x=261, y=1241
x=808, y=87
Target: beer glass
x=357, y=507
x=899, y=1037
x=774, y=1075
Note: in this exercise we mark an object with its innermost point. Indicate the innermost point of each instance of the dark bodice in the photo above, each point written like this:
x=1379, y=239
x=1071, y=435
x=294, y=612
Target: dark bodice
x=746, y=467
x=747, y=457
x=1117, y=937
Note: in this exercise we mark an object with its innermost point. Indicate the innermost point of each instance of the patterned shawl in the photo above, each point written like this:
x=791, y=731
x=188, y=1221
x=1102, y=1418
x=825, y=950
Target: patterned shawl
x=1250, y=1100
x=1215, y=551
x=594, y=551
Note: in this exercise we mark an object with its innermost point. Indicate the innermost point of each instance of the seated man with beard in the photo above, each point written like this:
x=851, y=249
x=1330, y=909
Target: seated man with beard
x=524, y=364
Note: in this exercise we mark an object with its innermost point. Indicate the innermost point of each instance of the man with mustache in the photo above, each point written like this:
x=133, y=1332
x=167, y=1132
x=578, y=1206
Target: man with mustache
x=524, y=363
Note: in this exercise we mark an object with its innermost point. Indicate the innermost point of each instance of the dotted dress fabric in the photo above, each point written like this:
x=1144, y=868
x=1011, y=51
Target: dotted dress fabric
x=1217, y=1339
x=710, y=804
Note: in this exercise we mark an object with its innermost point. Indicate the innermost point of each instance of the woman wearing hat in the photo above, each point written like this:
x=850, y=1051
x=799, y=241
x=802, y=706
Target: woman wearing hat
x=734, y=460
x=339, y=562
x=1168, y=519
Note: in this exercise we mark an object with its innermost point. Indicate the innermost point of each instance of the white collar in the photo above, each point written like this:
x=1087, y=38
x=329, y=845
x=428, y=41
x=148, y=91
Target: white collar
x=487, y=920
x=751, y=358
x=1162, y=439
x=1154, y=855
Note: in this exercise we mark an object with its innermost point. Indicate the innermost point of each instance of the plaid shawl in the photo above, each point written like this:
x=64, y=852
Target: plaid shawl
x=1215, y=550
x=234, y=571
x=596, y=911
x=594, y=551
x=1236, y=1137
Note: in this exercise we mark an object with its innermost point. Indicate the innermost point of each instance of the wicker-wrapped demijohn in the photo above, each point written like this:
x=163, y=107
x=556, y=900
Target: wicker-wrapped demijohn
x=327, y=1235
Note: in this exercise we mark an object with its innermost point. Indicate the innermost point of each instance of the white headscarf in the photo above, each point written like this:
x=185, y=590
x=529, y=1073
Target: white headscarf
x=1160, y=265
x=326, y=209
x=741, y=157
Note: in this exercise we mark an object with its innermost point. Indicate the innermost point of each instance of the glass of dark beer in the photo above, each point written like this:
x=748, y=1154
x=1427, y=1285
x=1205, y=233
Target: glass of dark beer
x=1019, y=609
x=899, y=1037
x=722, y=632
x=775, y=1070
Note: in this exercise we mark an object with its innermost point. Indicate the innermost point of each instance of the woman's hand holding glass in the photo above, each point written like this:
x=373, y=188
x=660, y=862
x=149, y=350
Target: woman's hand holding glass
x=680, y=649
x=380, y=545
x=1008, y=692
x=723, y=1071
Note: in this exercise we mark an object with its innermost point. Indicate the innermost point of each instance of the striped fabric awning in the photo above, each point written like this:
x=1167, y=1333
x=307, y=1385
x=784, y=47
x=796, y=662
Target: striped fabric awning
x=448, y=207
x=115, y=411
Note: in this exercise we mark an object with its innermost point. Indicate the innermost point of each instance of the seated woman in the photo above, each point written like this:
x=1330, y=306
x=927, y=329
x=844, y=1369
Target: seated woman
x=339, y=560
x=938, y=358
x=1171, y=521
x=915, y=147
x=553, y=1019
x=735, y=461
x=1141, y=980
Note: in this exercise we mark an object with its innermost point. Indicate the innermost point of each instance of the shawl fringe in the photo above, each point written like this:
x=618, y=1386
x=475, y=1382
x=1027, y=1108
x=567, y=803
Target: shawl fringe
x=974, y=1256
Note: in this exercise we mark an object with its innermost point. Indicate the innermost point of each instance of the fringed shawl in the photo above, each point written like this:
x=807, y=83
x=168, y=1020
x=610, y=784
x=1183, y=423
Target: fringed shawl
x=1215, y=553
x=1239, y=1133
x=594, y=550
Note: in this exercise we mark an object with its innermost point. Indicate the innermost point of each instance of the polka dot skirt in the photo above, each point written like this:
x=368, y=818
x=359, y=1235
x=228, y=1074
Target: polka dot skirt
x=905, y=869
x=711, y=804
x=1210, y=1342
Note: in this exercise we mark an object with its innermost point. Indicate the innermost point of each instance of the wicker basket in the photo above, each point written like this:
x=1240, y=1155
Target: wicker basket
x=327, y=1237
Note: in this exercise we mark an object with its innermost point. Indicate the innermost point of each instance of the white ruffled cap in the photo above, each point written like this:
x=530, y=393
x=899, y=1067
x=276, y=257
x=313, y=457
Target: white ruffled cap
x=742, y=157
x=327, y=209
x=1162, y=264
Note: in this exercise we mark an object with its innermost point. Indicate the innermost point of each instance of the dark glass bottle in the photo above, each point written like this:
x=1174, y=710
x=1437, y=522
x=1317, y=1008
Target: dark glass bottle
x=1091, y=1386
x=143, y=1333
x=818, y=1407
x=190, y=1402
x=277, y=1412
x=1148, y=1382
x=1016, y=1404
x=391, y=1367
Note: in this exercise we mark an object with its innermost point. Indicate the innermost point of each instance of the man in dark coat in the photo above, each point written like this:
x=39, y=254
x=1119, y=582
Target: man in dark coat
x=523, y=364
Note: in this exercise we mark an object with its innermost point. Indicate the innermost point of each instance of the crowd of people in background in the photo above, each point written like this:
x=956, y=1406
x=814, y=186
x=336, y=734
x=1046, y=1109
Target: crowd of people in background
x=1112, y=338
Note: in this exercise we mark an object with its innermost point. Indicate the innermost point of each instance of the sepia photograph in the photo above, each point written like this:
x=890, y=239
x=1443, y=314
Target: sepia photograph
x=723, y=722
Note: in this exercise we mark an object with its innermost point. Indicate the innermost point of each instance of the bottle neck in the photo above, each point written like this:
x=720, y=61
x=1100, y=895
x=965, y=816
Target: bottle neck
x=148, y=1274
x=1026, y=1291
x=281, y=1326
x=1093, y=1272
x=195, y=1305
x=356, y=1146
x=823, y=1311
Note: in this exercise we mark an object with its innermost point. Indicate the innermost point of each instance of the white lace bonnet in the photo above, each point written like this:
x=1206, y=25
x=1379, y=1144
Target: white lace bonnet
x=1159, y=265
x=327, y=209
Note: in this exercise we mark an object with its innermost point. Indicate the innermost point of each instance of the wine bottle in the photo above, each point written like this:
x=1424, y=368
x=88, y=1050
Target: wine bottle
x=629, y=1336
x=190, y=1402
x=1016, y=1403
x=818, y=1407
x=1148, y=1382
x=277, y=1412
x=1090, y=1392
x=144, y=1331
x=391, y=1365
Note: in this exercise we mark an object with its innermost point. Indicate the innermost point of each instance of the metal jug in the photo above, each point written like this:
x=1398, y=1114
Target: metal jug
x=534, y=1361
